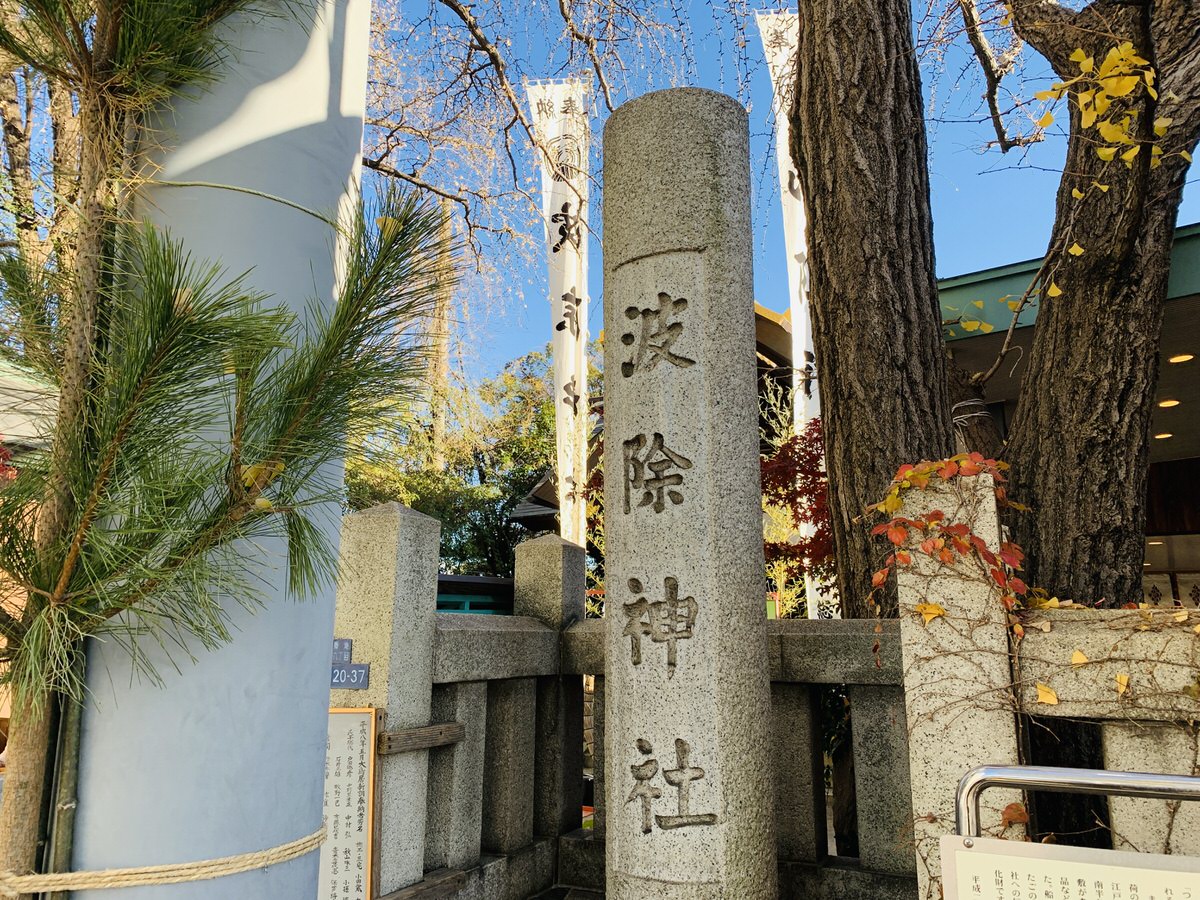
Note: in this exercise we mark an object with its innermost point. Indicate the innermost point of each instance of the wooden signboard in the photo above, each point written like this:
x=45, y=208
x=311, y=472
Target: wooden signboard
x=991, y=869
x=348, y=854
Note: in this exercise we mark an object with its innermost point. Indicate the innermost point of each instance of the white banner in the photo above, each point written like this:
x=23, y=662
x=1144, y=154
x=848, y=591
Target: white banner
x=560, y=120
x=780, y=33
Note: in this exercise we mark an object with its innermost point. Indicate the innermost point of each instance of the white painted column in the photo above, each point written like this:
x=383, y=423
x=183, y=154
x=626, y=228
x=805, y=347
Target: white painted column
x=687, y=743
x=227, y=756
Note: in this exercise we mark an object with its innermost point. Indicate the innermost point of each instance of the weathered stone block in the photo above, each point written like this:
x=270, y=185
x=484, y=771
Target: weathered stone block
x=799, y=780
x=455, y=794
x=1154, y=826
x=386, y=603
x=550, y=581
x=885, y=817
x=509, y=766
x=558, y=755
x=469, y=647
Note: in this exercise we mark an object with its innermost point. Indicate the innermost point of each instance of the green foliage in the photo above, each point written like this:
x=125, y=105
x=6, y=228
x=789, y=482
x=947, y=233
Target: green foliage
x=214, y=422
x=499, y=443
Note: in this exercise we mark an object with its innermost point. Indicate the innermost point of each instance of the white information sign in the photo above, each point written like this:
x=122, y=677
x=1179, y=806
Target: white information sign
x=347, y=854
x=994, y=869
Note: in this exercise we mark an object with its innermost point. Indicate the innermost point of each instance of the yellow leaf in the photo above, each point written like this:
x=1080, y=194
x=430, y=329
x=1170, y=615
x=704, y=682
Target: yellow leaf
x=1161, y=124
x=1115, y=132
x=1076, y=250
x=1152, y=92
x=1187, y=156
x=1129, y=154
x=1122, y=683
x=978, y=303
x=1054, y=290
x=1046, y=694
x=1181, y=616
x=1102, y=188
x=930, y=611
x=263, y=503
x=1078, y=658
x=1046, y=120
x=1079, y=55
x=892, y=502
x=969, y=324
x=1048, y=95
x=1087, y=65
x=1119, y=85
x=1196, y=629
x=1014, y=305
x=985, y=327
x=1077, y=193
x=1106, y=153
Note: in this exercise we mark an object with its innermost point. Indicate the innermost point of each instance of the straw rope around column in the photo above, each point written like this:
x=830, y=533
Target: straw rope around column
x=12, y=885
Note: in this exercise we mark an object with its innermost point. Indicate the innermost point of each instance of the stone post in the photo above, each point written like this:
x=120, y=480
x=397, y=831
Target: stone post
x=690, y=794
x=958, y=696
x=549, y=585
x=387, y=603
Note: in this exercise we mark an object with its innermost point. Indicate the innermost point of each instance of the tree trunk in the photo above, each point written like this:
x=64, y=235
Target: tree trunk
x=974, y=427
x=858, y=141
x=24, y=793
x=1079, y=443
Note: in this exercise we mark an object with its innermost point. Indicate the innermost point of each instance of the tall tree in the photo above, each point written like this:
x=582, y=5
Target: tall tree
x=1080, y=438
x=858, y=141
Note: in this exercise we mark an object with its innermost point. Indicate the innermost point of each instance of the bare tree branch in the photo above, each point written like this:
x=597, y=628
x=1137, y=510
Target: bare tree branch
x=589, y=42
x=995, y=68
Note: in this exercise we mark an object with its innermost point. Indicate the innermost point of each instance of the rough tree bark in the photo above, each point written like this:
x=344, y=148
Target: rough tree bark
x=858, y=142
x=1079, y=442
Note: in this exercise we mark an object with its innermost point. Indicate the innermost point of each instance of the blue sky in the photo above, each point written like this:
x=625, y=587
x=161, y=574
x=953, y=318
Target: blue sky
x=989, y=208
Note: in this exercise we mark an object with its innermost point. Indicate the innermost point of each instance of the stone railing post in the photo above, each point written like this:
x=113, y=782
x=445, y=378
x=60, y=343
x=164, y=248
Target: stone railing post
x=548, y=585
x=387, y=603
x=957, y=676
x=688, y=737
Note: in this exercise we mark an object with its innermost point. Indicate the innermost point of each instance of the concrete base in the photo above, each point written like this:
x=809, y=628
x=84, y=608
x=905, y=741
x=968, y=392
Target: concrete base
x=518, y=876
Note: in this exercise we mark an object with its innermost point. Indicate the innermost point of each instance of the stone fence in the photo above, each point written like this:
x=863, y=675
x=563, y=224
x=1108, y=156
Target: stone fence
x=480, y=765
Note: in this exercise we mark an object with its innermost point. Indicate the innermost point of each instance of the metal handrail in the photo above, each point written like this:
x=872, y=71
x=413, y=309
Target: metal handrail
x=1078, y=781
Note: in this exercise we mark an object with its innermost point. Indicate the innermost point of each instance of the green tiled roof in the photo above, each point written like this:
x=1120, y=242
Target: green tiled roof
x=961, y=296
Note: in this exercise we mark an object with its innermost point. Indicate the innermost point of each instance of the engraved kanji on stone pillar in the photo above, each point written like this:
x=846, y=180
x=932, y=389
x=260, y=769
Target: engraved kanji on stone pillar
x=687, y=731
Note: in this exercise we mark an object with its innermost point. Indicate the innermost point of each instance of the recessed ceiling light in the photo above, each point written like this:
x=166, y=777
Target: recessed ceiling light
x=1181, y=358
x=1167, y=404
x=1145, y=564
x=1163, y=436
x=1155, y=543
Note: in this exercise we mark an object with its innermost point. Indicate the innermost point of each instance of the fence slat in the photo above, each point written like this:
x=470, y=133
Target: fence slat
x=509, y=766
x=455, y=797
x=885, y=818
x=801, y=832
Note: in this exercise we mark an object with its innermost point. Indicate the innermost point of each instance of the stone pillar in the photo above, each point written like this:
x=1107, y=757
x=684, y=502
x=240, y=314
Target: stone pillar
x=455, y=795
x=549, y=585
x=226, y=755
x=600, y=804
x=690, y=794
x=957, y=678
x=1153, y=826
x=387, y=604
x=879, y=734
x=508, y=772
x=799, y=777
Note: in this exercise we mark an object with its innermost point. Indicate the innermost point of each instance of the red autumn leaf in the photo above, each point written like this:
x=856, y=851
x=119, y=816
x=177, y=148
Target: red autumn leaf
x=935, y=515
x=1009, y=602
x=880, y=529
x=970, y=468
x=948, y=469
x=946, y=556
x=897, y=534
x=903, y=471
x=878, y=579
x=999, y=577
x=929, y=546
x=904, y=557
x=1018, y=586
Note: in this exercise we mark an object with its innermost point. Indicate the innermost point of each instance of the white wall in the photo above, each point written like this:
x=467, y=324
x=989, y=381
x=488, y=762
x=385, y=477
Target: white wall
x=228, y=756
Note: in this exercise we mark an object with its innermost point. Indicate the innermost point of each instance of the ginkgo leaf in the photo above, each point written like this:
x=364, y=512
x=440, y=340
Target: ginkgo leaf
x=1102, y=188
x=1079, y=658
x=1119, y=85
x=1187, y=156
x=1014, y=305
x=1180, y=616
x=1076, y=250
x=1046, y=694
x=1077, y=193
x=978, y=303
x=1129, y=154
x=1115, y=132
x=1196, y=629
x=1048, y=95
x=1106, y=153
x=969, y=324
x=930, y=611
x=985, y=327
x=1046, y=120
x=1122, y=683
x=1079, y=55
x=1054, y=290
x=1161, y=124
